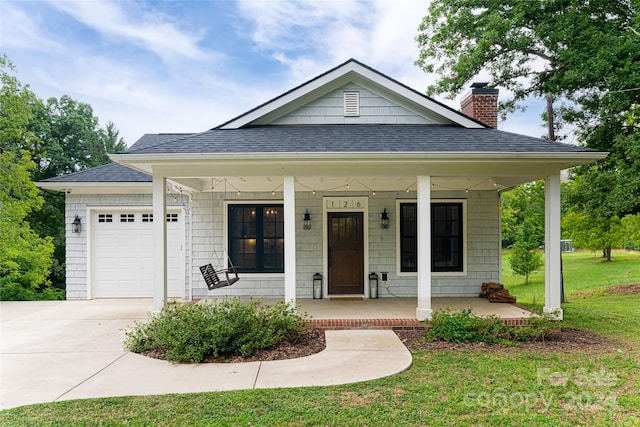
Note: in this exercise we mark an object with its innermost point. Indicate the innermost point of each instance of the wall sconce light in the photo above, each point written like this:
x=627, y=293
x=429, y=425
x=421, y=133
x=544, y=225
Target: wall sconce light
x=384, y=219
x=306, y=220
x=76, y=225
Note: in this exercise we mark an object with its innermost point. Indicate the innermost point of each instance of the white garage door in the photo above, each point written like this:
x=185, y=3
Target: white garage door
x=122, y=254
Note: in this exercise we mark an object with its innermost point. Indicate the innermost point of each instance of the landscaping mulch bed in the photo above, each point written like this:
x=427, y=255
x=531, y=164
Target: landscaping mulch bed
x=563, y=340
x=311, y=342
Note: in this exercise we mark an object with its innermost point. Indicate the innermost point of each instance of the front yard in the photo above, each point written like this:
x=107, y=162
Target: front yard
x=447, y=385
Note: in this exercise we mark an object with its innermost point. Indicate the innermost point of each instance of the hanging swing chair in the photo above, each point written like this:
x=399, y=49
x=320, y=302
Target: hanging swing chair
x=222, y=277
x=212, y=277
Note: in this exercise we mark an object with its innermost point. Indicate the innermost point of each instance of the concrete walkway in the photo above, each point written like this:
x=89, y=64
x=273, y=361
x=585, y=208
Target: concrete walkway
x=62, y=350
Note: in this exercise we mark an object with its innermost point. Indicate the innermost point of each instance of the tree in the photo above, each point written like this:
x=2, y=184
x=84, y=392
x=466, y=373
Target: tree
x=585, y=54
x=631, y=232
x=565, y=48
x=60, y=136
x=525, y=202
x=110, y=139
x=594, y=233
x=525, y=258
x=25, y=257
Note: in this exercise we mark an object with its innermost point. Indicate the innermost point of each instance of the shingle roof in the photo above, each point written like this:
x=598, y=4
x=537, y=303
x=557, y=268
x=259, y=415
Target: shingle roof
x=149, y=139
x=352, y=138
x=111, y=172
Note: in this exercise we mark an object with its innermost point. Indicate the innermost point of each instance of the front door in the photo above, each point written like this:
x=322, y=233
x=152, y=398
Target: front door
x=346, y=253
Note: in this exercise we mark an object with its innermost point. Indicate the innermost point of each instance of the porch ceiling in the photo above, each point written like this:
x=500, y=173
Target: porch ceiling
x=361, y=171
x=355, y=184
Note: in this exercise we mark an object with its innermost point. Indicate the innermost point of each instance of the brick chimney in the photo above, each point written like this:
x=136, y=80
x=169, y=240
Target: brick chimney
x=482, y=104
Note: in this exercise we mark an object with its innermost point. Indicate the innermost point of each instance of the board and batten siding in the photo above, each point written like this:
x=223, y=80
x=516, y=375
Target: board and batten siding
x=374, y=108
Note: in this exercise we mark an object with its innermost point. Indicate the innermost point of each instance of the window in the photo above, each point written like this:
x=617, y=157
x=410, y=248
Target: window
x=446, y=237
x=256, y=238
x=147, y=217
x=172, y=217
x=126, y=217
x=105, y=218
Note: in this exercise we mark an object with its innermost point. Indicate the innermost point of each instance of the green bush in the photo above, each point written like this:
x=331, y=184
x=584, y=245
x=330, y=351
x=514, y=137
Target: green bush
x=191, y=333
x=465, y=327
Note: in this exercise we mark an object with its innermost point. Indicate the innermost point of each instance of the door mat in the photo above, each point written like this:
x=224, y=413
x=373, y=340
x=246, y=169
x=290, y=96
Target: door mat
x=346, y=298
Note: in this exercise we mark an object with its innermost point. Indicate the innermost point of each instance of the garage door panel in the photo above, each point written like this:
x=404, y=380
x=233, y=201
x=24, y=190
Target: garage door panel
x=122, y=256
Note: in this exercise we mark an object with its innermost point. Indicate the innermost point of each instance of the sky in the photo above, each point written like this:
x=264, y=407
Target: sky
x=188, y=65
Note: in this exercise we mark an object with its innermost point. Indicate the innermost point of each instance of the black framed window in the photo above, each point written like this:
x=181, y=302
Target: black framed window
x=256, y=237
x=446, y=237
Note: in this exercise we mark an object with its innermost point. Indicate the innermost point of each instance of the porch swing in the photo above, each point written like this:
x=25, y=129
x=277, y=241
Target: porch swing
x=210, y=275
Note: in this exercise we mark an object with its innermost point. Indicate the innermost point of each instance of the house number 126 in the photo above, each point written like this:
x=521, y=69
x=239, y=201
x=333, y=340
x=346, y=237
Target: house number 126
x=345, y=203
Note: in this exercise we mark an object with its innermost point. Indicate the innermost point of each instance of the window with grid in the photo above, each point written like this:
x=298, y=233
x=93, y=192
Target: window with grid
x=446, y=237
x=256, y=237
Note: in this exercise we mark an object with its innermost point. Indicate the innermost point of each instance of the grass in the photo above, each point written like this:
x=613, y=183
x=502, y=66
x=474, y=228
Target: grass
x=496, y=386
x=583, y=271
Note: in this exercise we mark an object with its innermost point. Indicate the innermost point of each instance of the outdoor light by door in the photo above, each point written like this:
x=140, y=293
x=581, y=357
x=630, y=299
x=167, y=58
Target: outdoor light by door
x=384, y=219
x=317, y=286
x=373, y=286
x=76, y=225
x=306, y=220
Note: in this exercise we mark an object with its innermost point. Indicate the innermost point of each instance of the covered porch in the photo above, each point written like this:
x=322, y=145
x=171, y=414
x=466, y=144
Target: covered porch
x=307, y=251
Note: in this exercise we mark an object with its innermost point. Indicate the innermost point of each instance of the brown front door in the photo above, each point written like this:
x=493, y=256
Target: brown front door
x=346, y=253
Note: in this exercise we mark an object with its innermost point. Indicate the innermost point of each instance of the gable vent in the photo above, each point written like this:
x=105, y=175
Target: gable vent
x=351, y=104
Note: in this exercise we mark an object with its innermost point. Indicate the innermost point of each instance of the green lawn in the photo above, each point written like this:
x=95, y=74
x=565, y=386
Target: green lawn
x=496, y=386
x=583, y=271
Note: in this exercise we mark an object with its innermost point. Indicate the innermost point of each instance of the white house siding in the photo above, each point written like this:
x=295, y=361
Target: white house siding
x=483, y=243
x=374, y=108
x=76, y=244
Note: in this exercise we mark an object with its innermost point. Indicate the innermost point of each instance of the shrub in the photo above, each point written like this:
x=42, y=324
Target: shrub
x=191, y=333
x=465, y=327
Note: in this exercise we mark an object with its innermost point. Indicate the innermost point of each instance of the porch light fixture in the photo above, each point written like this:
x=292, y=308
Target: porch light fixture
x=384, y=219
x=306, y=220
x=76, y=225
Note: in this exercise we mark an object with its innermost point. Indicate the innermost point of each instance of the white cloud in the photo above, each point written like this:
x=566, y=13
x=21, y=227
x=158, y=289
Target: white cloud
x=150, y=72
x=149, y=29
x=310, y=37
x=21, y=30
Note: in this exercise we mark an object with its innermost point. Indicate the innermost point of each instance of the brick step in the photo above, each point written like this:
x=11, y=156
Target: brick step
x=398, y=324
x=336, y=324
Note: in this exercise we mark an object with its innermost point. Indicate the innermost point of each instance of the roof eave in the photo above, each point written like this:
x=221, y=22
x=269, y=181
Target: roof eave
x=96, y=187
x=128, y=159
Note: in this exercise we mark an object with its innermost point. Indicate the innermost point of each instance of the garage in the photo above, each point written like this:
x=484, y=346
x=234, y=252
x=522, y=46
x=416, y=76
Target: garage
x=122, y=254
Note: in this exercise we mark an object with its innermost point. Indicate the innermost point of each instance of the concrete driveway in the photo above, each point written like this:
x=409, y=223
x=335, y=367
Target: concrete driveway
x=61, y=350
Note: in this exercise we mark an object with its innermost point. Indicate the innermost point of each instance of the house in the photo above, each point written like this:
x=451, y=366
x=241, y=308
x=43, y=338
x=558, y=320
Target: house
x=349, y=173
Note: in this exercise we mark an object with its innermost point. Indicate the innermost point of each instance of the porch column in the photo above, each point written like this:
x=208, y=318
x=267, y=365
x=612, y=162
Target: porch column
x=552, y=273
x=159, y=242
x=423, y=311
x=289, y=240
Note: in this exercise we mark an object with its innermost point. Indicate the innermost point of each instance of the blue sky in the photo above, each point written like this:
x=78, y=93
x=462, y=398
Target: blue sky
x=187, y=66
